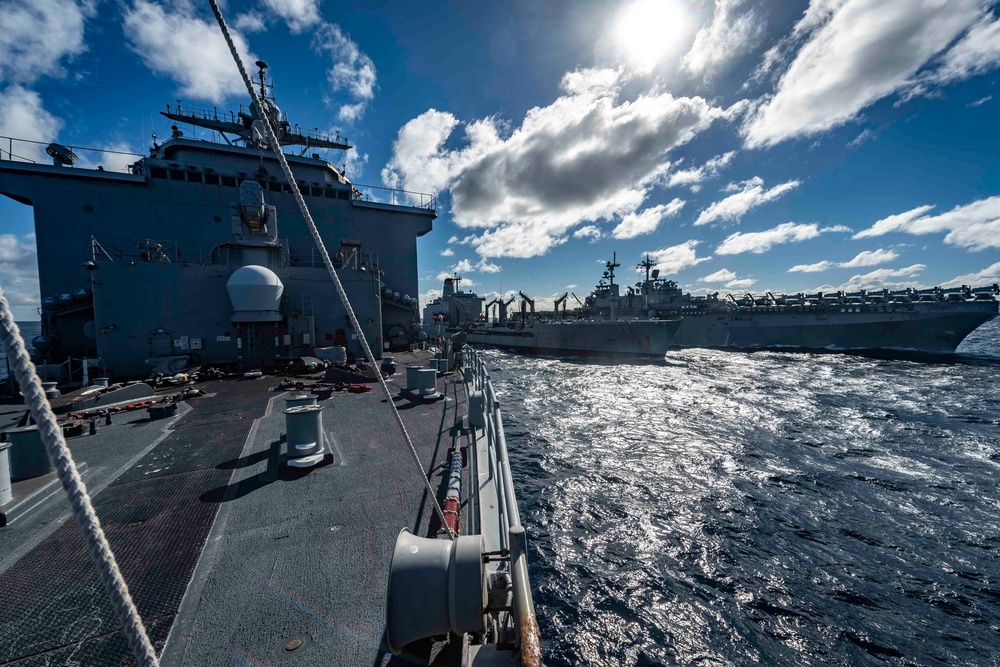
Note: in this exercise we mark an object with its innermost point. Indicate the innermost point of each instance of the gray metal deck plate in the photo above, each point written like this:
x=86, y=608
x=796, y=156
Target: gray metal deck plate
x=310, y=555
x=53, y=609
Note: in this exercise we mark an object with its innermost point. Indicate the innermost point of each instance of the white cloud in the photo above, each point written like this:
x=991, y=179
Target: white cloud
x=761, y=242
x=588, y=231
x=693, y=177
x=351, y=71
x=485, y=266
x=38, y=35
x=811, y=268
x=447, y=252
x=981, y=101
x=749, y=194
x=191, y=51
x=881, y=278
x=121, y=155
x=720, y=276
x=978, y=51
x=864, y=258
x=298, y=14
x=743, y=283
x=647, y=220
x=871, y=258
x=864, y=136
x=23, y=116
x=19, y=270
x=730, y=34
x=584, y=158
x=677, y=258
x=463, y=266
x=857, y=52
x=250, y=22
x=988, y=276
x=975, y=225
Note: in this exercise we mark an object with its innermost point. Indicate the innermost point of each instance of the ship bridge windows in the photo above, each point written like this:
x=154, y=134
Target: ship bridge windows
x=274, y=186
x=211, y=179
x=330, y=193
x=158, y=172
x=342, y=194
x=195, y=176
x=228, y=181
x=176, y=174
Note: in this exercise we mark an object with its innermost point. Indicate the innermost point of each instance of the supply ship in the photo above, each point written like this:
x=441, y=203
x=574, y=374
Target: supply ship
x=932, y=320
x=255, y=518
x=558, y=334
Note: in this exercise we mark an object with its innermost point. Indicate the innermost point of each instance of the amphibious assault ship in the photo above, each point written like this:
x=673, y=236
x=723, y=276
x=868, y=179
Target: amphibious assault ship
x=252, y=526
x=932, y=320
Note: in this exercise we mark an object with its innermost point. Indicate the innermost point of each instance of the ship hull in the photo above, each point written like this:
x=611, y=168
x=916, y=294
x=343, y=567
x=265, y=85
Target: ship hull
x=631, y=338
x=934, y=327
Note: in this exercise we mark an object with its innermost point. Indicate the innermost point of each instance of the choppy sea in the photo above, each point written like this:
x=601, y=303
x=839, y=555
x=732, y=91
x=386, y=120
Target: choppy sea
x=733, y=508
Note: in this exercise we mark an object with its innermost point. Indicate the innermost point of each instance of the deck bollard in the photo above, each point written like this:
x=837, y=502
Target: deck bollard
x=304, y=429
x=422, y=382
x=28, y=457
x=295, y=400
x=6, y=494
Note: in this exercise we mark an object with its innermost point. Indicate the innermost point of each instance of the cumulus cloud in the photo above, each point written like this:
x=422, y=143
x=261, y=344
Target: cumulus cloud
x=720, y=276
x=191, y=51
x=37, y=36
x=856, y=52
x=748, y=194
x=19, y=270
x=988, y=276
x=250, y=22
x=298, y=14
x=880, y=278
x=647, y=220
x=728, y=35
x=351, y=71
x=864, y=258
x=677, y=258
x=694, y=177
x=742, y=283
x=447, y=252
x=761, y=242
x=978, y=51
x=22, y=115
x=584, y=158
x=588, y=232
x=812, y=268
x=975, y=226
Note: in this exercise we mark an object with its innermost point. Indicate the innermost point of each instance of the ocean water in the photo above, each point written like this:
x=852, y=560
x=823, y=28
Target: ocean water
x=728, y=508
x=28, y=331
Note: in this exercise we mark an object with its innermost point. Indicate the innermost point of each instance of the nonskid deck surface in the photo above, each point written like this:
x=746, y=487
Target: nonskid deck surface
x=287, y=553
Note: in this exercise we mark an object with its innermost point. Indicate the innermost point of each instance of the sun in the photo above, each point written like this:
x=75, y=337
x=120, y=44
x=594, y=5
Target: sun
x=650, y=30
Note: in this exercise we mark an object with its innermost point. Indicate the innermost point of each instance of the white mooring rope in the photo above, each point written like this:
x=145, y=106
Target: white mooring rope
x=59, y=455
x=276, y=147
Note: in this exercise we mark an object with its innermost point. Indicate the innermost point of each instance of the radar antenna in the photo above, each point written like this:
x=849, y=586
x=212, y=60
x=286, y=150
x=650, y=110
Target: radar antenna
x=611, y=266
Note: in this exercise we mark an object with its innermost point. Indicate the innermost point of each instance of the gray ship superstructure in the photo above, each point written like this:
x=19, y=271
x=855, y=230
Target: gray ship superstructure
x=606, y=336
x=932, y=320
x=135, y=266
x=455, y=307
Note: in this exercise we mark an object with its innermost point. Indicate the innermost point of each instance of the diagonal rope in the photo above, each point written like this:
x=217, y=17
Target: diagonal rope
x=276, y=147
x=20, y=364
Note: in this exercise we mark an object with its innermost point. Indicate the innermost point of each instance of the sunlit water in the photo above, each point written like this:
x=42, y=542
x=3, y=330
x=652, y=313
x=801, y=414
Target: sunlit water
x=734, y=508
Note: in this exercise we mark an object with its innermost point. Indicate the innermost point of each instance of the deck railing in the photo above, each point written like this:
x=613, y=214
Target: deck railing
x=513, y=537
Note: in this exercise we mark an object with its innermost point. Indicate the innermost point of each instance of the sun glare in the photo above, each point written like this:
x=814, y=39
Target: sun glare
x=650, y=30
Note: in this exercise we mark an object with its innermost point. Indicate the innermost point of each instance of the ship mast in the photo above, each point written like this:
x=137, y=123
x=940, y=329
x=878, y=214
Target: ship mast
x=241, y=124
x=611, y=266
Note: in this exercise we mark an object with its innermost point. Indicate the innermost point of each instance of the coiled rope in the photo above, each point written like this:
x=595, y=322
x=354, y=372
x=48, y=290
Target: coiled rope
x=20, y=364
x=276, y=147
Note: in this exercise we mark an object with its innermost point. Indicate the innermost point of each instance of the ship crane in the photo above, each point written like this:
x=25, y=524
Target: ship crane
x=495, y=302
x=525, y=302
x=504, y=305
x=561, y=300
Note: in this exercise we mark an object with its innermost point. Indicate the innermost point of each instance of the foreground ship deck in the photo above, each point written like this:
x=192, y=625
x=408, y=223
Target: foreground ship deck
x=230, y=554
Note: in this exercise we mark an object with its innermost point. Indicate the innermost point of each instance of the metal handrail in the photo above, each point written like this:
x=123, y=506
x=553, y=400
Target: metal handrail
x=513, y=535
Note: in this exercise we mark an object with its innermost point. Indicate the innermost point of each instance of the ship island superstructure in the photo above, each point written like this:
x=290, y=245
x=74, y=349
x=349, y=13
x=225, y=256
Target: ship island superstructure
x=933, y=320
x=145, y=265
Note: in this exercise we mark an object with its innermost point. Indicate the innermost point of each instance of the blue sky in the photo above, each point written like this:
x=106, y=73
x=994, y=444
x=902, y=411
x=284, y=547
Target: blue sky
x=831, y=144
